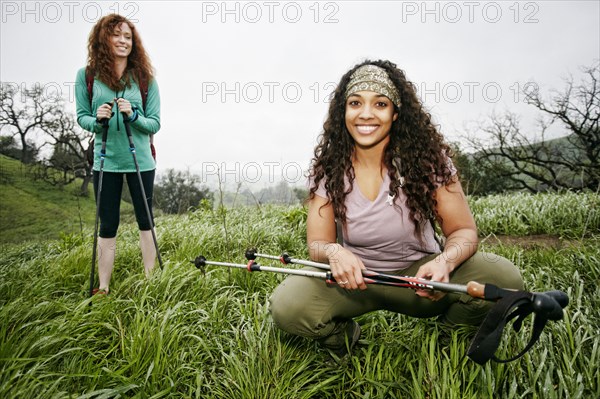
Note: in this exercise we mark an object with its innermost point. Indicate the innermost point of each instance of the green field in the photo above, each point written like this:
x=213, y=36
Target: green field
x=184, y=334
x=32, y=209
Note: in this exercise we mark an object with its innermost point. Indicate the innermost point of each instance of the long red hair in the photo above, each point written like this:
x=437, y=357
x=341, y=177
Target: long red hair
x=101, y=59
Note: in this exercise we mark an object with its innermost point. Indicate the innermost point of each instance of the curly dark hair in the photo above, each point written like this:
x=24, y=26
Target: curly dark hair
x=101, y=59
x=415, y=147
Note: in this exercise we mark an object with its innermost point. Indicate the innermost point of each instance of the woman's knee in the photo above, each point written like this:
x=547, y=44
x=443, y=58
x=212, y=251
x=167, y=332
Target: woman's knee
x=298, y=306
x=503, y=272
x=485, y=267
x=285, y=308
x=108, y=229
x=144, y=224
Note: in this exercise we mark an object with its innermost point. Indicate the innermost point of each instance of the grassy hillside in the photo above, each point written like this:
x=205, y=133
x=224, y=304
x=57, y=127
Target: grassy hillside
x=185, y=334
x=32, y=209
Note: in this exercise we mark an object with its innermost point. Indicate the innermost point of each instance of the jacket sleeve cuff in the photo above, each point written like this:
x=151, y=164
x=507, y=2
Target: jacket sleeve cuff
x=134, y=116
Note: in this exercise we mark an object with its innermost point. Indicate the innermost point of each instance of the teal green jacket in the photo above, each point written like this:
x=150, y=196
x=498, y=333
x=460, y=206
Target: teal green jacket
x=118, y=156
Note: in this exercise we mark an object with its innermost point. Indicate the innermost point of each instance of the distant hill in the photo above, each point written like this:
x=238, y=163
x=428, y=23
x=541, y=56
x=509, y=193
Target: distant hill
x=563, y=149
x=32, y=209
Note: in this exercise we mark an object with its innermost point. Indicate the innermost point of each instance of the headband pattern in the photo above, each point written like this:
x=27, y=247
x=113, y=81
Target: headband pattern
x=373, y=78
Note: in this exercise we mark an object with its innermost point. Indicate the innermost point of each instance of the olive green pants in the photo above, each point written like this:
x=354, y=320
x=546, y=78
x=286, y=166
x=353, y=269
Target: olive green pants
x=310, y=308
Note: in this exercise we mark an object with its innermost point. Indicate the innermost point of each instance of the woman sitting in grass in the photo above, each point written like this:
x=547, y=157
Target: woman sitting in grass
x=385, y=174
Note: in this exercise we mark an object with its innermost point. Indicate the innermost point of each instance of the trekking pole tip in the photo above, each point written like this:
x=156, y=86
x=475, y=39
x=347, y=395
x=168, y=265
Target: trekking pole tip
x=250, y=253
x=199, y=262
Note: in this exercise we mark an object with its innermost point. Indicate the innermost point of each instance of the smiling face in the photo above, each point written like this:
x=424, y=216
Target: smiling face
x=122, y=40
x=369, y=118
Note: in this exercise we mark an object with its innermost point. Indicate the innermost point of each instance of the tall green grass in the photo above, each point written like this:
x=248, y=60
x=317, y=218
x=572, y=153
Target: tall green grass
x=185, y=334
x=569, y=215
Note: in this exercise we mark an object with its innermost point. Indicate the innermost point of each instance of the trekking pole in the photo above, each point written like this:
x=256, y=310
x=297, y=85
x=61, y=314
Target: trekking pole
x=472, y=288
x=285, y=259
x=549, y=303
x=510, y=304
x=139, y=175
x=104, y=123
x=200, y=262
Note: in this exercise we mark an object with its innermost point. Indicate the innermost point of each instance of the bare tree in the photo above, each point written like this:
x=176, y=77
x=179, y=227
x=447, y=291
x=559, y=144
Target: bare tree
x=70, y=144
x=32, y=114
x=530, y=161
x=40, y=120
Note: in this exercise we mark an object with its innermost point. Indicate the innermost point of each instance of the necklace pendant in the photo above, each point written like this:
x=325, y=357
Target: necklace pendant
x=390, y=199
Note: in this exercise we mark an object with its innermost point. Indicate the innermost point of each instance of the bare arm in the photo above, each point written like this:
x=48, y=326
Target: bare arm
x=321, y=238
x=458, y=225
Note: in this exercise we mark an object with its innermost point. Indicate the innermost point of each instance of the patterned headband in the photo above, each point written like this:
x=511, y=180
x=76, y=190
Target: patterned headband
x=373, y=78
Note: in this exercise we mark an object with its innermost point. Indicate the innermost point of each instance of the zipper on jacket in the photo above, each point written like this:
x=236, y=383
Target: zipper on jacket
x=117, y=96
x=118, y=110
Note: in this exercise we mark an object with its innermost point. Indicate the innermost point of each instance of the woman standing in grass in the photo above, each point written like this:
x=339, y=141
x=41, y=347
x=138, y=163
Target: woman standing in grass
x=383, y=171
x=118, y=70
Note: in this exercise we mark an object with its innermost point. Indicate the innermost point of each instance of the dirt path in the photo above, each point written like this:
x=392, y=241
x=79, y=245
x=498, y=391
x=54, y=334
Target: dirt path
x=540, y=240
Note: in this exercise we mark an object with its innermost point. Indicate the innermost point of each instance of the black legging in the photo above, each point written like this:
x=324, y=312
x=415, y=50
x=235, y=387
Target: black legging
x=110, y=200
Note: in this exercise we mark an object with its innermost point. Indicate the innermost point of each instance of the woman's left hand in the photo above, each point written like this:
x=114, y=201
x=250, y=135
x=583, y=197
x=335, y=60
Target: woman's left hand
x=434, y=270
x=124, y=106
x=458, y=226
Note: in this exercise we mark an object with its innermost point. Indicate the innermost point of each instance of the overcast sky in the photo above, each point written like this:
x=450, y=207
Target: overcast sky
x=244, y=85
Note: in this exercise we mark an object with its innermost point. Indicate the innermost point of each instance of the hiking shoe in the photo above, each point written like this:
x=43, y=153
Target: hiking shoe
x=347, y=348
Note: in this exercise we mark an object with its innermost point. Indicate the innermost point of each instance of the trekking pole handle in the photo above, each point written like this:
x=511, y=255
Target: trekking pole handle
x=127, y=129
x=126, y=123
x=475, y=289
x=549, y=304
x=104, y=123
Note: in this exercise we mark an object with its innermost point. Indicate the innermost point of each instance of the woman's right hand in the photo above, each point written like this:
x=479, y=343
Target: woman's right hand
x=104, y=111
x=346, y=268
x=321, y=234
